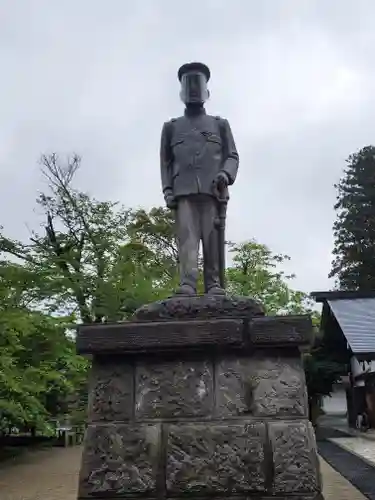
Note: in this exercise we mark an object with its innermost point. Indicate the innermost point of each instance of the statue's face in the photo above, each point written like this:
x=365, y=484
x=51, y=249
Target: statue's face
x=194, y=88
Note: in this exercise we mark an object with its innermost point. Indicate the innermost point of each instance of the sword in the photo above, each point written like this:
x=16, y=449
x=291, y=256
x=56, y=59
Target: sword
x=222, y=202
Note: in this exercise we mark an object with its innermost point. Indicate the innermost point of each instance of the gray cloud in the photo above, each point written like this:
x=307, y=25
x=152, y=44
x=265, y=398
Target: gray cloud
x=295, y=79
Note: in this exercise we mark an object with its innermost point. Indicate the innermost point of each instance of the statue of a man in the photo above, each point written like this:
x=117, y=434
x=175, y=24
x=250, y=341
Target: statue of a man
x=198, y=160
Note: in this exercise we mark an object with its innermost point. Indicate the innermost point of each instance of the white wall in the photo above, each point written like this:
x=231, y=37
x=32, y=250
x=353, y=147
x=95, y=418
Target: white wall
x=359, y=367
x=336, y=403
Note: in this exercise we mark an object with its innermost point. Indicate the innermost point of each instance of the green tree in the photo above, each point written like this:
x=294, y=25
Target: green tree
x=321, y=375
x=87, y=261
x=155, y=230
x=38, y=364
x=353, y=266
x=256, y=272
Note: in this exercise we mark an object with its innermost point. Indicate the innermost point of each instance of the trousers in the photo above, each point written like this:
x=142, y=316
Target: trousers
x=196, y=221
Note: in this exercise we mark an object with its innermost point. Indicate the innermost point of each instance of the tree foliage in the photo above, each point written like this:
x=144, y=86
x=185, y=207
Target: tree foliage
x=256, y=272
x=354, y=229
x=89, y=260
x=321, y=375
x=353, y=266
x=322, y=370
x=38, y=364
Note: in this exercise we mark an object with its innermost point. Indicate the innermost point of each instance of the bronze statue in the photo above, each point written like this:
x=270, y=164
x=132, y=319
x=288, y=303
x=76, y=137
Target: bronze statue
x=198, y=159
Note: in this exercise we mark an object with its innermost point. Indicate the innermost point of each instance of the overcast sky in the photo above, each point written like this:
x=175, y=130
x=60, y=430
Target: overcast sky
x=295, y=79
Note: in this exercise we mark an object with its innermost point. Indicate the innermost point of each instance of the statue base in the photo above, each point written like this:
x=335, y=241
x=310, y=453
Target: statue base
x=200, y=306
x=205, y=407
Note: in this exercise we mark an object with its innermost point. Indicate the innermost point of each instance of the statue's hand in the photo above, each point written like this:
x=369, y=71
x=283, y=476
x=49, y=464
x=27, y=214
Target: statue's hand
x=222, y=180
x=170, y=201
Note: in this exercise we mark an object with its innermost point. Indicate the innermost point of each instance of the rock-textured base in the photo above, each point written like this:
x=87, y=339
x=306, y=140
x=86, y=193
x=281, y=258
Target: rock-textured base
x=224, y=417
x=200, y=306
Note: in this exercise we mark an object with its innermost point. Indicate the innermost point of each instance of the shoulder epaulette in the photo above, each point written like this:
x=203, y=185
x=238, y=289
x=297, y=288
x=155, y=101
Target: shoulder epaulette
x=173, y=120
x=217, y=117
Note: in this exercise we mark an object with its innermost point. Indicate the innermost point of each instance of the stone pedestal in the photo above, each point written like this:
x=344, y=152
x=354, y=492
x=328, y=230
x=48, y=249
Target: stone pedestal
x=198, y=407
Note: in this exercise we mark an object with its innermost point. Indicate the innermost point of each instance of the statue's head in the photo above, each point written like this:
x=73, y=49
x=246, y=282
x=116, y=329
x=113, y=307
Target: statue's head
x=194, y=77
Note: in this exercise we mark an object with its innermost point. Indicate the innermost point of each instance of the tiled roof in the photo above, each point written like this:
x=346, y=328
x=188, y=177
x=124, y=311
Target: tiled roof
x=356, y=318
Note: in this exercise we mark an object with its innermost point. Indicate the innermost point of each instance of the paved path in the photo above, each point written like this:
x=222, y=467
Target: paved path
x=350, y=466
x=52, y=475
x=49, y=474
x=335, y=487
x=360, y=446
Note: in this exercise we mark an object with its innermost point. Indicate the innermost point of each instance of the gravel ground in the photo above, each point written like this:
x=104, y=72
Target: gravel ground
x=52, y=474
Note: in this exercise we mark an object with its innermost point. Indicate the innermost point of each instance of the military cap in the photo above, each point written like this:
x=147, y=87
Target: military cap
x=194, y=66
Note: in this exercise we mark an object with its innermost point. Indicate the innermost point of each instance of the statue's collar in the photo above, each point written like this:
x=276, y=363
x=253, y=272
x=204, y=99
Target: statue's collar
x=195, y=111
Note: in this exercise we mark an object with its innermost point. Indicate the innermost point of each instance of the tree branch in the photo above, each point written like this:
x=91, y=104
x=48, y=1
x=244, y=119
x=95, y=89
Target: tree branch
x=61, y=261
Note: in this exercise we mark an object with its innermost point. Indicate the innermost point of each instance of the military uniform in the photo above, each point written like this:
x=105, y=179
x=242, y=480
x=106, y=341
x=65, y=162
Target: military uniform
x=195, y=148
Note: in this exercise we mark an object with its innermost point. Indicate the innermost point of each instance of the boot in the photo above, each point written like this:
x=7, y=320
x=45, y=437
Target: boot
x=185, y=289
x=216, y=290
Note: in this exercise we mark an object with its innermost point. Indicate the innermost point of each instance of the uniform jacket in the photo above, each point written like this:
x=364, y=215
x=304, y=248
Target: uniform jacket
x=193, y=150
